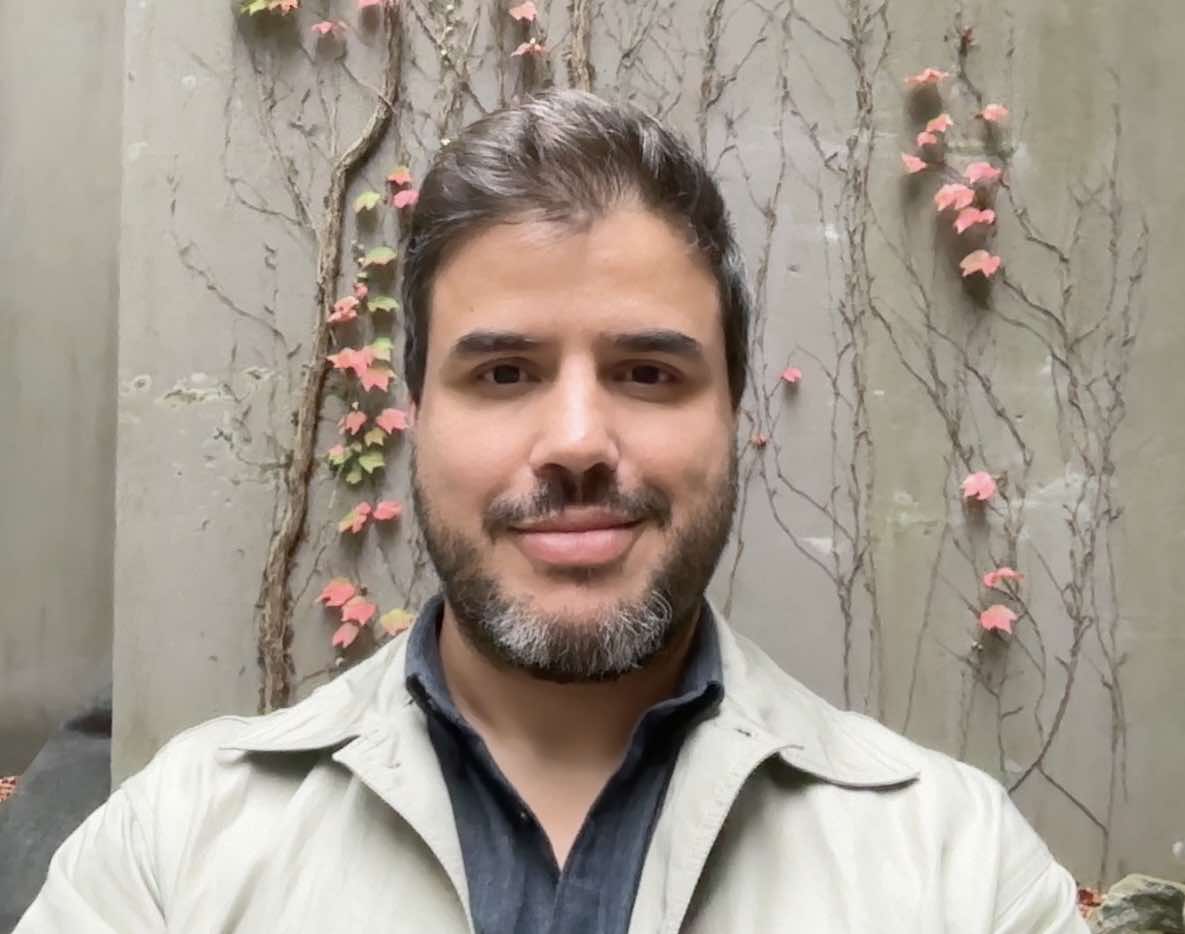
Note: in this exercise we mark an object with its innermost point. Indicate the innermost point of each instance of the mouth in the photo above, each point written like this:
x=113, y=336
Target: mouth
x=577, y=541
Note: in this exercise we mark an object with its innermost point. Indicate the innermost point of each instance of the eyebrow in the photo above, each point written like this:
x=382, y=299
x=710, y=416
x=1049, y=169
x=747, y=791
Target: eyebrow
x=648, y=340
x=658, y=340
x=477, y=343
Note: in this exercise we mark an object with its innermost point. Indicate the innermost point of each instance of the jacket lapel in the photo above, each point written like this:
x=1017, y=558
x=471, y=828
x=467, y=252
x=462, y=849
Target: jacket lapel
x=397, y=762
x=382, y=738
x=765, y=715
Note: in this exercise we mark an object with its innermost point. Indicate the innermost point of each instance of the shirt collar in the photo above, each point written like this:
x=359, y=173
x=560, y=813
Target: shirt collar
x=702, y=676
x=808, y=733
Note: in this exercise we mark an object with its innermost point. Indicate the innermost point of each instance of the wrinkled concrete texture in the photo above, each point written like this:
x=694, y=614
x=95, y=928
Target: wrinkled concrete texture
x=60, y=89
x=854, y=562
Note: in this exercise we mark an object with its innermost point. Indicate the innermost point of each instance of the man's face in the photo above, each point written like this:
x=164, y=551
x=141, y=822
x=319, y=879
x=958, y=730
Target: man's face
x=574, y=465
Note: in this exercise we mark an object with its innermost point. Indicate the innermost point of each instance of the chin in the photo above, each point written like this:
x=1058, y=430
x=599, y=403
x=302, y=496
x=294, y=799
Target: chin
x=576, y=590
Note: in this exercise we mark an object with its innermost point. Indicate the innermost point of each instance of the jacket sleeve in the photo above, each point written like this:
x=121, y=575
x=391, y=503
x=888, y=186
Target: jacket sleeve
x=1035, y=894
x=100, y=880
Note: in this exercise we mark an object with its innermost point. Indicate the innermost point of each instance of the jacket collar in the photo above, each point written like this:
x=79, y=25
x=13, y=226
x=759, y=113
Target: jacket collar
x=807, y=733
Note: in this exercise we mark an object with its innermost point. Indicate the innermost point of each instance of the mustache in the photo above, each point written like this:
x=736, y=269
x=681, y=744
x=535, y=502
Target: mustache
x=552, y=498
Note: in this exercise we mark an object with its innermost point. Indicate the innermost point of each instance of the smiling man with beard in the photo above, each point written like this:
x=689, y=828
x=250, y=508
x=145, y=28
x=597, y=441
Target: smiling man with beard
x=571, y=739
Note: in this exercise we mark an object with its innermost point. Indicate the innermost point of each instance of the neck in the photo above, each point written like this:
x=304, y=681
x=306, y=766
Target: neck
x=538, y=717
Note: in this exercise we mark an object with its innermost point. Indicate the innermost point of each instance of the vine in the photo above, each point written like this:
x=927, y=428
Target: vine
x=340, y=345
x=1006, y=649
x=275, y=633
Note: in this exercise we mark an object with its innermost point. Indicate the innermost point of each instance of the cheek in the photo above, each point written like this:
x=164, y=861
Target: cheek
x=462, y=470
x=686, y=461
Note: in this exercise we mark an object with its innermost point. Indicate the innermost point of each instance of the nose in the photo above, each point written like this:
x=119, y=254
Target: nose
x=576, y=436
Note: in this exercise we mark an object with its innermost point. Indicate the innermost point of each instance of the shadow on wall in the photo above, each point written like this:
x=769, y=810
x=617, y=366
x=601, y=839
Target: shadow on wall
x=68, y=779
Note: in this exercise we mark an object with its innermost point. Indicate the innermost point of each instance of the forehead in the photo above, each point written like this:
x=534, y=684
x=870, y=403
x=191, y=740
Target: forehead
x=630, y=269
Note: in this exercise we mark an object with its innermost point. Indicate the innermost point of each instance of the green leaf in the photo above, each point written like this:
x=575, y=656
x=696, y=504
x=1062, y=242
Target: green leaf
x=379, y=256
x=375, y=436
x=367, y=201
x=339, y=458
x=356, y=447
x=395, y=621
x=253, y=6
x=371, y=461
x=382, y=348
x=382, y=303
x=354, y=476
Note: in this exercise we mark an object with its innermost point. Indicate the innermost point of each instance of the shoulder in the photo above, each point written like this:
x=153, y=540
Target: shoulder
x=953, y=809
x=852, y=749
x=189, y=766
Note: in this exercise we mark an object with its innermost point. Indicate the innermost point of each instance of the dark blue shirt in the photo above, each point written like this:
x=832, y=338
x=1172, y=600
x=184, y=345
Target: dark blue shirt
x=515, y=884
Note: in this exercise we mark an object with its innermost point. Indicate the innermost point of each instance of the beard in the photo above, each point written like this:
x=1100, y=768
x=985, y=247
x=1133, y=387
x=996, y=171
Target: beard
x=622, y=637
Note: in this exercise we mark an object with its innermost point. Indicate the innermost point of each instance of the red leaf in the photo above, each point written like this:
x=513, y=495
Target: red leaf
x=992, y=578
x=524, y=11
x=926, y=138
x=329, y=27
x=337, y=592
x=760, y=440
x=912, y=163
x=350, y=359
x=344, y=309
x=979, y=261
x=979, y=485
x=531, y=47
x=363, y=4
x=377, y=377
x=391, y=420
x=792, y=375
x=1088, y=898
x=353, y=422
x=360, y=290
x=940, y=124
x=982, y=172
x=994, y=113
x=953, y=196
x=405, y=198
x=387, y=509
x=401, y=175
x=930, y=76
x=970, y=216
x=997, y=616
x=345, y=634
x=287, y=6
x=358, y=610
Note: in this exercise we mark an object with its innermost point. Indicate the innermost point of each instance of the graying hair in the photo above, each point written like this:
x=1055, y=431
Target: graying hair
x=567, y=157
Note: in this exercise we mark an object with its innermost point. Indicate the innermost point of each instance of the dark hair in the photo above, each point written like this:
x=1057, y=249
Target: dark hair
x=567, y=156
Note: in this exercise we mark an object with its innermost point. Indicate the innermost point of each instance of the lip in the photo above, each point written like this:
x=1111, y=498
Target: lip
x=586, y=540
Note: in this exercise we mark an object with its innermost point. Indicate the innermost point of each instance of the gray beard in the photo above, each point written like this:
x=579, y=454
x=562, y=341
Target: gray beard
x=625, y=637
x=619, y=640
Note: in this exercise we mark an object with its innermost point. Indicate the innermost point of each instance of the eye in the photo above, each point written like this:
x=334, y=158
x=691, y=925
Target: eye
x=649, y=374
x=504, y=374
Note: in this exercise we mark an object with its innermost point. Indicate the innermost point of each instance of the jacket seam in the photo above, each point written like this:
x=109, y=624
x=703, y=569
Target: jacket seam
x=149, y=840
x=873, y=751
x=1046, y=858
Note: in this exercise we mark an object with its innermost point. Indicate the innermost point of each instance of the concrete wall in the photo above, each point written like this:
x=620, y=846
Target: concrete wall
x=60, y=88
x=855, y=562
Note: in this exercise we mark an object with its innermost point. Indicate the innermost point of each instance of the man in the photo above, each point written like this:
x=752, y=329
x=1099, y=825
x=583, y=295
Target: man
x=571, y=738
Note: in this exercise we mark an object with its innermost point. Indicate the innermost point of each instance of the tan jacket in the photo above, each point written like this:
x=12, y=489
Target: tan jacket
x=783, y=814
